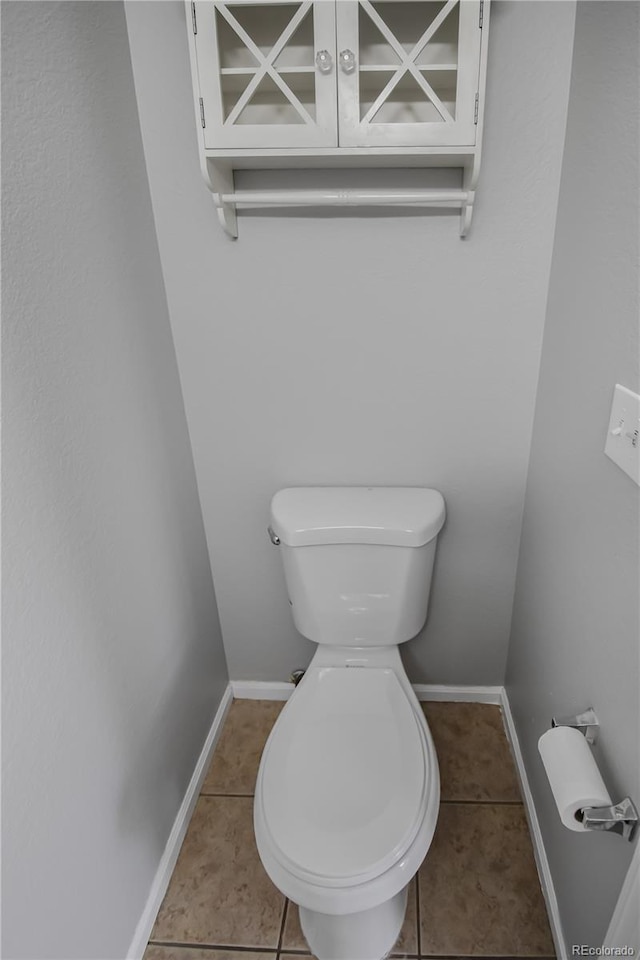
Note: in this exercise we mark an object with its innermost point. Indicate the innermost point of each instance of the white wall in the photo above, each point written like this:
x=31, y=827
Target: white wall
x=112, y=658
x=346, y=349
x=576, y=630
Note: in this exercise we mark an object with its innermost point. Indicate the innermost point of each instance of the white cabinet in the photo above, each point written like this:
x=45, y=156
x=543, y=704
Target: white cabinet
x=338, y=82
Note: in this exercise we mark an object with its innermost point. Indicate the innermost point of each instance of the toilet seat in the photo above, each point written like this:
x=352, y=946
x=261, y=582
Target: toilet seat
x=345, y=777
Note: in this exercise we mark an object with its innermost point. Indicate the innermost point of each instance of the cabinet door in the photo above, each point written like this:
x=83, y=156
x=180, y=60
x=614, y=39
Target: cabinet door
x=408, y=72
x=260, y=82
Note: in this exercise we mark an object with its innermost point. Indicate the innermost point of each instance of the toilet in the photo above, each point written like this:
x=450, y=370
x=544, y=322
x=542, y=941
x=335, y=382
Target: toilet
x=348, y=788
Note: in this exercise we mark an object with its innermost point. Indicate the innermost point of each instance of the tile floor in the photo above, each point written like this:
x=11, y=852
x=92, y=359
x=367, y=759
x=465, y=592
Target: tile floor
x=476, y=895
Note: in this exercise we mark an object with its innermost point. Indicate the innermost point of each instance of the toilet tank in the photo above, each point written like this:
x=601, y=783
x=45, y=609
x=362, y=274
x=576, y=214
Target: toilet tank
x=358, y=560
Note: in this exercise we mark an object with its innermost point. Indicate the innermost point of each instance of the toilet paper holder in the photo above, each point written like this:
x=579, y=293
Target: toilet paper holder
x=620, y=818
x=587, y=723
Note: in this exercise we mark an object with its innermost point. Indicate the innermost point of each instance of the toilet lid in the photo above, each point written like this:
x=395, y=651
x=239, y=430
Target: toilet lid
x=344, y=776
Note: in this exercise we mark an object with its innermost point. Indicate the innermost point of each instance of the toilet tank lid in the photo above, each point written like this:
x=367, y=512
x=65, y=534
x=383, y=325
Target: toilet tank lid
x=394, y=516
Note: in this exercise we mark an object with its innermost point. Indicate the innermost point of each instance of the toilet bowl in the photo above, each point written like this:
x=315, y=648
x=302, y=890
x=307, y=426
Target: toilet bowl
x=346, y=802
x=348, y=788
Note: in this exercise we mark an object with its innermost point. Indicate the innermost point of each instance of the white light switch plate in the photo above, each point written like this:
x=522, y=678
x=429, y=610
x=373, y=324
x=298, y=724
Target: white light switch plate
x=623, y=435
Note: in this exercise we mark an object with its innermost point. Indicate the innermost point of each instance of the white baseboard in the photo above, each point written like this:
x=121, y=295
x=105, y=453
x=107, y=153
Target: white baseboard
x=267, y=690
x=261, y=690
x=178, y=831
x=544, y=871
x=459, y=694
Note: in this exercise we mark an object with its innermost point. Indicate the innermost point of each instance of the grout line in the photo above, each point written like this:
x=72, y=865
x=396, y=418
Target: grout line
x=211, y=946
x=506, y=803
x=248, y=796
x=285, y=910
x=236, y=796
x=418, y=910
x=490, y=803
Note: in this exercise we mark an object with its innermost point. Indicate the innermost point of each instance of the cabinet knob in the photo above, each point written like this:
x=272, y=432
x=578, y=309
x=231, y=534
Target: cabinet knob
x=324, y=61
x=347, y=61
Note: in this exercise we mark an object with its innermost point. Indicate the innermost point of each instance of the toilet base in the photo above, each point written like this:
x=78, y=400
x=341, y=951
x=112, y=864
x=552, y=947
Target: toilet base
x=366, y=935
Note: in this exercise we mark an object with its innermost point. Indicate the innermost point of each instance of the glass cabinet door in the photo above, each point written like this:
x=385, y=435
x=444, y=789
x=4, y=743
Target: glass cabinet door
x=408, y=72
x=267, y=73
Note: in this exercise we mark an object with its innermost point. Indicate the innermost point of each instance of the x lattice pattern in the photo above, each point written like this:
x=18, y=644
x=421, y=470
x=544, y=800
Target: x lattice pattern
x=266, y=63
x=407, y=61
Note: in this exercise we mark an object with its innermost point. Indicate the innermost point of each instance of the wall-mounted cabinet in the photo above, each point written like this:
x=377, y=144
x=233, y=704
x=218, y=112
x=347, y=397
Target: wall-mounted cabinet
x=338, y=82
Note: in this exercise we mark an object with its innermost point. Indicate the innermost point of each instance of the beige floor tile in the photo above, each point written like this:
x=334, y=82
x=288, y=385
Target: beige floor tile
x=234, y=767
x=174, y=952
x=473, y=752
x=479, y=889
x=219, y=892
x=293, y=938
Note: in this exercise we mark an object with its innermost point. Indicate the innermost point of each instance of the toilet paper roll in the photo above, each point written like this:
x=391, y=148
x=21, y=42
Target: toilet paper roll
x=573, y=774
